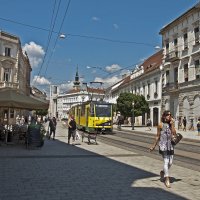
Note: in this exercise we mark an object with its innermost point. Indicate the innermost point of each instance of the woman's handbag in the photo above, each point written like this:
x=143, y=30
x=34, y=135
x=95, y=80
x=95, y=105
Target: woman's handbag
x=176, y=138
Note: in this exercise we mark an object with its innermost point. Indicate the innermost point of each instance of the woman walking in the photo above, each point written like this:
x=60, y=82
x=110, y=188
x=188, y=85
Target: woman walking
x=166, y=149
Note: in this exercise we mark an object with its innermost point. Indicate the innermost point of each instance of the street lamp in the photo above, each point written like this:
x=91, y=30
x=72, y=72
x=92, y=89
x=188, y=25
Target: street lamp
x=133, y=116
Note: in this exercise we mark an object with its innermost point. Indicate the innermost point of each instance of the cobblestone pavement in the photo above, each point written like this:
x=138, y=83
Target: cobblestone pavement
x=82, y=171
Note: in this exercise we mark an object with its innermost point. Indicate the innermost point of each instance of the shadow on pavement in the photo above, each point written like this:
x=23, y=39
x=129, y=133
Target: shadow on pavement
x=61, y=171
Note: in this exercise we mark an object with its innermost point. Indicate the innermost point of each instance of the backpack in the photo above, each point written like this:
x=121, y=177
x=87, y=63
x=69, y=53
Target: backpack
x=72, y=123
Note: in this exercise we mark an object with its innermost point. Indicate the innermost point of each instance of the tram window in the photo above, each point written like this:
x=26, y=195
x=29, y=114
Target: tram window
x=103, y=110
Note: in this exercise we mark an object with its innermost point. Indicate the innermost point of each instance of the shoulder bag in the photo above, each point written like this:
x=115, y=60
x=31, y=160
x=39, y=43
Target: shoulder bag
x=176, y=138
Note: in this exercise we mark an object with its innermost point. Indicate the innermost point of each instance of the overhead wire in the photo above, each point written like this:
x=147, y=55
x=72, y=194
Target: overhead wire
x=80, y=35
x=53, y=22
x=68, y=4
x=89, y=37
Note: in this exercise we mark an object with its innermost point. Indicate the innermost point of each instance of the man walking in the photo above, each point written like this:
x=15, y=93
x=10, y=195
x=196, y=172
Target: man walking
x=52, y=126
x=71, y=129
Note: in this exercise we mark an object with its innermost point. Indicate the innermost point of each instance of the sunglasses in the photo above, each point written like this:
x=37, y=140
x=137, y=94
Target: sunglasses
x=168, y=114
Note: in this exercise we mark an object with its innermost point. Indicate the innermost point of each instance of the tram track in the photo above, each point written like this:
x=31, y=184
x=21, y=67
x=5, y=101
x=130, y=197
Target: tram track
x=186, y=155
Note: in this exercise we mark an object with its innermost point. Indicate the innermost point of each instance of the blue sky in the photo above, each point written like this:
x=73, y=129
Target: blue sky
x=109, y=36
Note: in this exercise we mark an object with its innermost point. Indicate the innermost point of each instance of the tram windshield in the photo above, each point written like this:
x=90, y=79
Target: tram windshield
x=103, y=110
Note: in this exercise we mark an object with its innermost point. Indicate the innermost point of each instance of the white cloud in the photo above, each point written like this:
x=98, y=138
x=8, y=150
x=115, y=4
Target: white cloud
x=107, y=82
x=115, y=26
x=66, y=86
x=95, y=19
x=113, y=68
x=35, y=53
x=38, y=80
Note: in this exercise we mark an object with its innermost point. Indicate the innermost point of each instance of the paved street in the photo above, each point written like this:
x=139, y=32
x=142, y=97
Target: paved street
x=189, y=134
x=82, y=171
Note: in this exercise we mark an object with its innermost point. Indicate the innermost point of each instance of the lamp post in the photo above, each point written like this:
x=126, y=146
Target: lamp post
x=133, y=116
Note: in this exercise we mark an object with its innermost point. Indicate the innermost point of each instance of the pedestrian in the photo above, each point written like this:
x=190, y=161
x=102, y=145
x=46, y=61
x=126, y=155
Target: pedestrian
x=179, y=123
x=191, y=125
x=119, y=120
x=149, y=123
x=184, y=123
x=52, y=127
x=198, y=127
x=71, y=128
x=164, y=133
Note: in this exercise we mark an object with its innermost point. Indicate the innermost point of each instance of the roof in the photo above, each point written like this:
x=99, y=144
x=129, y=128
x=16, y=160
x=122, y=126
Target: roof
x=196, y=6
x=90, y=90
x=153, y=62
x=11, y=98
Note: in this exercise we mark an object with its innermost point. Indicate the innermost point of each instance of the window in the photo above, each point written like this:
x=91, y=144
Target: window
x=156, y=86
x=185, y=37
x=186, y=72
x=197, y=69
x=143, y=90
x=6, y=76
x=167, y=47
x=7, y=51
x=176, y=75
x=148, y=88
x=167, y=77
x=175, y=42
x=103, y=110
x=196, y=34
x=12, y=114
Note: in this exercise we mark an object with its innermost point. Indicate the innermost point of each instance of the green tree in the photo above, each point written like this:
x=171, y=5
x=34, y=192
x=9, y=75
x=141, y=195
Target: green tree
x=42, y=112
x=124, y=104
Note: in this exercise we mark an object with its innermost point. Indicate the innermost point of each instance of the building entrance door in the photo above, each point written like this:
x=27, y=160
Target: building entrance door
x=155, y=116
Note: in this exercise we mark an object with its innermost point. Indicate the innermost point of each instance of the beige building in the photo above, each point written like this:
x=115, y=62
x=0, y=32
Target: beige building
x=15, y=70
x=181, y=73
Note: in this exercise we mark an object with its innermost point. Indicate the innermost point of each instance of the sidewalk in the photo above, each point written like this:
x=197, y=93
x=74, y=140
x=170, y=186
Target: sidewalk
x=59, y=171
x=186, y=134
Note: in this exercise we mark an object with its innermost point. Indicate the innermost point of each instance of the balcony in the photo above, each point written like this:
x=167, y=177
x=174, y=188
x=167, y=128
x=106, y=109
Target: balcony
x=172, y=56
x=171, y=86
x=9, y=84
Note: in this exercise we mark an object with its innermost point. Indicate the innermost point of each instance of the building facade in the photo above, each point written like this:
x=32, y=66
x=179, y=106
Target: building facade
x=181, y=71
x=15, y=70
x=144, y=80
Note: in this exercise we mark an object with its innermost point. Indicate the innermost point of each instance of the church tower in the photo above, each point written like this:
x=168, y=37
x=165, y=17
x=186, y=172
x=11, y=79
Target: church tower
x=77, y=82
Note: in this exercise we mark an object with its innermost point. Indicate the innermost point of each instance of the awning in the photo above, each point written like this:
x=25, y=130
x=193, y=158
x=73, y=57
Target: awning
x=12, y=99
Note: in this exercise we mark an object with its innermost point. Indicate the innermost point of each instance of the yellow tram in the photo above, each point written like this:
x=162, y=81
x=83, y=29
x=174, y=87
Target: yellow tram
x=93, y=116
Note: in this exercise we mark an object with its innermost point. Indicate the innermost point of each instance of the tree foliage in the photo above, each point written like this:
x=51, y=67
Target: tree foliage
x=42, y=112
x=124, y=104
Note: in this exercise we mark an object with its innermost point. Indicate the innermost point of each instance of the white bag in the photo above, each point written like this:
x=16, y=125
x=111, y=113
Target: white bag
x=77, y=136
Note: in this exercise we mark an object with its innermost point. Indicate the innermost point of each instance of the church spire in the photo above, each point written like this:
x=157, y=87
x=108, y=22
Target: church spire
x=77, y=82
